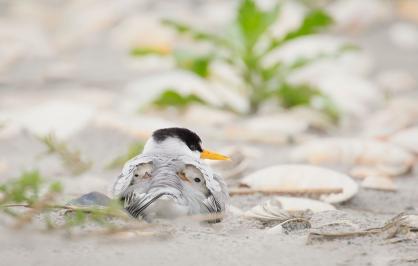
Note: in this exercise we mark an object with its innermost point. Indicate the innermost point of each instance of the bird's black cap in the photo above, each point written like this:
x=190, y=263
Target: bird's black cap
x=191, y=139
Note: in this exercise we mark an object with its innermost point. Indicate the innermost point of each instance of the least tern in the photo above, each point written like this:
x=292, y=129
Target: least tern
x=170, y=179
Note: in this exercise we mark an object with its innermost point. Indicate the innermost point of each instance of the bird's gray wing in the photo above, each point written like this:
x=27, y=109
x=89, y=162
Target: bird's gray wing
x=215, y=184
x=125, y=178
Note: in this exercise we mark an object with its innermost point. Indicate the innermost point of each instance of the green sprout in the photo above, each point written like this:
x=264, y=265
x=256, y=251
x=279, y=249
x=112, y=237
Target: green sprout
x=175, y=99
x=245, y=45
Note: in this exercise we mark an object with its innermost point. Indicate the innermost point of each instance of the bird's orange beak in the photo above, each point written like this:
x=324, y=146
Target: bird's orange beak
x=205, y=154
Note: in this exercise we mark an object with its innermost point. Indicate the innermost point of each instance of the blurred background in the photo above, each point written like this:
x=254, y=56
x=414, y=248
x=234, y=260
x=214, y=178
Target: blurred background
x=84, y=83
x=329, y=83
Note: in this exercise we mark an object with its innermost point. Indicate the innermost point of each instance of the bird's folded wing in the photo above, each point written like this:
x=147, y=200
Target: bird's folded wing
x=214, y=183
x=124, y=179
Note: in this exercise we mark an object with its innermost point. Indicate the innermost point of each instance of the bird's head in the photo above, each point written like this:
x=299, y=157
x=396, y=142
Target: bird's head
x=179, y=141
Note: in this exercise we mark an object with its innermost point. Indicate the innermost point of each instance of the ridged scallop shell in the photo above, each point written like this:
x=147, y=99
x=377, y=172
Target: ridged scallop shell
x=299, y=177
x=387, y=158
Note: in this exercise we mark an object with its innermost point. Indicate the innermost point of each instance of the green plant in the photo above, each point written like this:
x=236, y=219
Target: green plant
x=22, y=200
x=244, y=46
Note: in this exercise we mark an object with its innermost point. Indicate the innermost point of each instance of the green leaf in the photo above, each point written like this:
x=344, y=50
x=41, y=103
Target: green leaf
x=195, y=63
x=254, y=22
x=196, y=34
x=133, y=150
x=24, y=189
x=305, y=95
x=315, y=21
x=173, y=98
x=144, y=51
x=55, y=187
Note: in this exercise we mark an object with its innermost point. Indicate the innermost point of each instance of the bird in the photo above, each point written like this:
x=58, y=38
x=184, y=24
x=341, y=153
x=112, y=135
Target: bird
x=169, y=179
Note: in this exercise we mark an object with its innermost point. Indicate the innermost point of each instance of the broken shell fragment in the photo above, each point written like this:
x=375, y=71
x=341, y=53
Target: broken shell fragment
x=290, y=225
x=285, y=208
x=299, y=177
x=379, y=183
x=386, y=158
x=269, y=211
x=407, y=139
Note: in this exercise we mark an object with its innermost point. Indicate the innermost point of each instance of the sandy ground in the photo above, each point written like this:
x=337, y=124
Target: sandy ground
x=100, y=79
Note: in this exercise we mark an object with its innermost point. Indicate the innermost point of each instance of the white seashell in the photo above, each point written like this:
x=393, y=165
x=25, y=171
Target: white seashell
x=387, y=158
x=284, y=208
x=204, y=115
x=404, y=35
x=407, y=139
x=289, y=226
x=410, y=221
x=267, y=129
x=399, y=114
x=361, y=171
x=379, y=183
x=354, y=15
x=295, y=177
x=293, y=204
x=396, y=81
x=142, y=30
x=269, y=211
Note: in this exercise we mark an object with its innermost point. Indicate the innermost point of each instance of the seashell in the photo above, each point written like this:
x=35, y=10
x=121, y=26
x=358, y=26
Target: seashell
x=396, y=81
x=361, y=172
x=204, y=115
x=410, y=221
x=407, y=10
x=303, y=178
x=282, y=208
x=387, y=158
x=290, y=225
x=269, y=211
x=355, y=15
x=379, y=183
x=407, y=139
x=404, y=35
x=399, y=114
x=142, y=31
x=278, y=128
x=293, y=204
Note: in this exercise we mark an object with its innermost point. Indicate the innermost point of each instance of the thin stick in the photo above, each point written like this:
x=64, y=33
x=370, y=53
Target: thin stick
x=281, y=191
x=70, y=208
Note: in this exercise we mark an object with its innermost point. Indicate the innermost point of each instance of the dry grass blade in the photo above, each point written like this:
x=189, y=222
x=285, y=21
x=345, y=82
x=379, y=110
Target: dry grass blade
x=71, y=159
x=37, y=207
x=400, y=224
x=42, y=205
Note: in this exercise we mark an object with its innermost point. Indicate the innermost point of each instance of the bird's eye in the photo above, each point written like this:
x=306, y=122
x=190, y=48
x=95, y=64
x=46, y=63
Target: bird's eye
x=197, y=180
